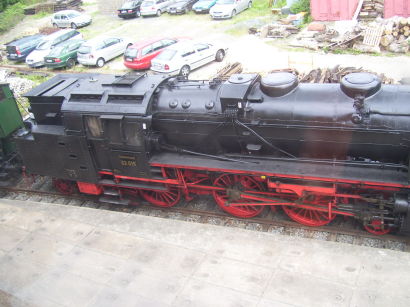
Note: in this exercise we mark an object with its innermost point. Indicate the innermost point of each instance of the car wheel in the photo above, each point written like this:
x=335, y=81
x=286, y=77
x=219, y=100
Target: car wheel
x=137, y=14
x=220, y=55
x=100, y=62
x=159, y=13
x=70, y=63
x=249, y=4
x=185, y=70
x=73, y=25
x=55, y=25
x=233, y=13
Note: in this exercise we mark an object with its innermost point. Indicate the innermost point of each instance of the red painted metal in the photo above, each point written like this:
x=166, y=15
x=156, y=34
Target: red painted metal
x=376, y=227
x=163, y=199
x=309, y=217
x=396, y=8
x=64, y=186
x=225, y=200
x=328, y=10
x=301, y=189
x=363, y=184
x=89, y=188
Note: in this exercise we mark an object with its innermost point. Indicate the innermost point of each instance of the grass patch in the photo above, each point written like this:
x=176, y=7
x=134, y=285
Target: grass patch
x=13, y=14
x=37, y=79
x=260, y=8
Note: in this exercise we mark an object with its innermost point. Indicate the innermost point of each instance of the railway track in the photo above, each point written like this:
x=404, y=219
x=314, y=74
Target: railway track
x=203, y=210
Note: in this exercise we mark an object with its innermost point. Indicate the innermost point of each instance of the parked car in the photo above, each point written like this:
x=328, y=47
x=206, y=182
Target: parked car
x=185, y=56
x=130, y=9
x=139, y=55
x=203, y=6
x=154, y=7
x=36, y=57
x=70, y=19
x=229, y=8
x=181, y=6
x=98, y=51
x=19, y=49
x=63, y=55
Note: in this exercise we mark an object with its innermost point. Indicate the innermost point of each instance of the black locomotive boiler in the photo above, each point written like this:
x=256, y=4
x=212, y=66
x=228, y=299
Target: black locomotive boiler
x=315, y=150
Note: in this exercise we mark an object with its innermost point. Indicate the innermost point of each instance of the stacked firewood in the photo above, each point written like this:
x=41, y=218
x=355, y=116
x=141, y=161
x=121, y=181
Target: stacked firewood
x=396, y=35
x=371, y=9
x=275, y=30
x=228, y=70
x=330, y=75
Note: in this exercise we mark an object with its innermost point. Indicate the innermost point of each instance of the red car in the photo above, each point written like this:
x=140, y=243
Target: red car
x=139, y=55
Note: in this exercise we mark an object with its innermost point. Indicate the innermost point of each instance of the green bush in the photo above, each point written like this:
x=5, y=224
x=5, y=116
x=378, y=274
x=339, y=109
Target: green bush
x=300, y=6
x=280, y=4
x=11, y=16
x=14, y=13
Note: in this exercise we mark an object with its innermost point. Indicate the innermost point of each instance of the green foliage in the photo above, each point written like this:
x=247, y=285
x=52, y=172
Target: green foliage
x=14, y=13
x=300, y=6
x=11, y=16
x=279, y=4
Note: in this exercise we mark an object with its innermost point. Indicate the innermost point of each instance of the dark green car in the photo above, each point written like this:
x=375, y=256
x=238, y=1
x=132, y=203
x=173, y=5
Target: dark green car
x=64, y=54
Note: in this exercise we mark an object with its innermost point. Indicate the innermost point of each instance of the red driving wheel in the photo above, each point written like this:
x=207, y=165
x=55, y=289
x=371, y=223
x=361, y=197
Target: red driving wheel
x=242, y=183
x=376, y=227
x=311, y=217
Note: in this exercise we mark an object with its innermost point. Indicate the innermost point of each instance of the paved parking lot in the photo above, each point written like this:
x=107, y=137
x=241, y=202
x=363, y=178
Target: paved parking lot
x=255, y=54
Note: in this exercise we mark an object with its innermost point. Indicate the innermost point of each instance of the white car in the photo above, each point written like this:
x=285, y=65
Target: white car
x=229, y=8
x=98, y=51
x=181, y=58
x=36, y=57
x=154, y=7
x=70, y=19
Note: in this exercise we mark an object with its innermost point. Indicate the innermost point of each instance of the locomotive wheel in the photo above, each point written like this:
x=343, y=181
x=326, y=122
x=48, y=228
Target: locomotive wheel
x=164, y=199
x=375, y=227
x=243, y=183
x=310, y=217
x=66, y=187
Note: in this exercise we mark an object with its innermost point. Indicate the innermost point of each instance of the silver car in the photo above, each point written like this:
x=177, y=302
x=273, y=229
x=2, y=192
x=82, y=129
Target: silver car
x=70, y=19
x=154, y=7
x=99, y=50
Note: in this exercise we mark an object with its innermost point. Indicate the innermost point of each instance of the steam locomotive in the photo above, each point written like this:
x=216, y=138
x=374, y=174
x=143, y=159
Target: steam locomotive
x=252, y=142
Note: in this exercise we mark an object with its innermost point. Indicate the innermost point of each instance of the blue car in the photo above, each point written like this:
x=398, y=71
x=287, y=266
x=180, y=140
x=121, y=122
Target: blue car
x=19, y=49
x=203, y=6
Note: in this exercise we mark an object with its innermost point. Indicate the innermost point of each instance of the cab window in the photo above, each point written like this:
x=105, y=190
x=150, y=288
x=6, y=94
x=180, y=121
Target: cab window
x=187, y=53
x=157, y=46
x=146, y=50
x=201, y=47
x=111, y=41
x=168, y=42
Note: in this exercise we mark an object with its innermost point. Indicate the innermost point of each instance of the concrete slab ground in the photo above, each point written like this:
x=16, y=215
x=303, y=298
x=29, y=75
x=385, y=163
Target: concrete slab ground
x=55, y=255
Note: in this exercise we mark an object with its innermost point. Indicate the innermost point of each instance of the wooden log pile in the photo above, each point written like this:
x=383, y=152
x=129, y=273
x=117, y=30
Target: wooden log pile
x=331, y=75
x=275, y=30
x=53, y=6
x=371, y=9
x=396, y=35
x=228, y=70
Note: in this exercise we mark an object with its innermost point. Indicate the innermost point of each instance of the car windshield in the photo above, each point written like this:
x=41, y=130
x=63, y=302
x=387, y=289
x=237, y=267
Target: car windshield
x=72, y=15
x=166, y=55
x=131, y=52
x=147, y=3
x=56, y=51
x=44, y=45
x=225, y=2
x=84, y=49
x=127, y=5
